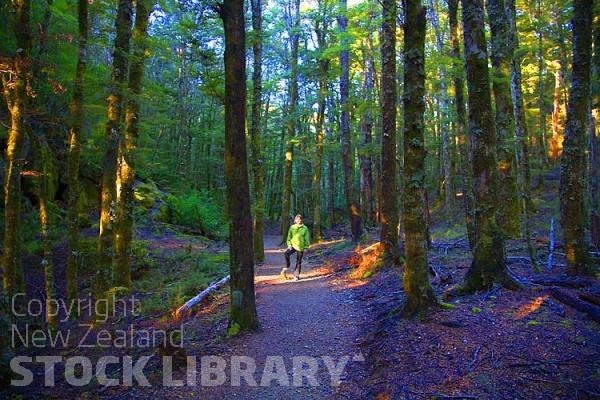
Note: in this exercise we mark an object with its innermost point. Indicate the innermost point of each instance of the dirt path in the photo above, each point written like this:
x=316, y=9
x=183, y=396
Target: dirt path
x=308, y=327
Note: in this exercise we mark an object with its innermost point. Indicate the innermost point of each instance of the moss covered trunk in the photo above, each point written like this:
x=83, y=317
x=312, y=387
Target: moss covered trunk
x=74, y=152
x=574, y=217
x=488, y=265
x=113, y=135
x=15, y=85
x=352, y=202
x=241, y=255
x=389, y=209
x=126, y=163
x=460, y=127
x=502, y=55
x=419, y=294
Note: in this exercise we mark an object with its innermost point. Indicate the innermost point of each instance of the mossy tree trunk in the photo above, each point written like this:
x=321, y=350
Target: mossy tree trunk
x=241, y=255
x=127, y=147
x=595, y=137
x=113, y=135
x=321, y=29
x=389, y=204
x=419, y=294
x=257, y=160
x=460, y=126
x=521, y=136
x=488, y=265
x=573, y=210
x=74, y=152
x=502, y=55
x=15, y=84
x=293, y=27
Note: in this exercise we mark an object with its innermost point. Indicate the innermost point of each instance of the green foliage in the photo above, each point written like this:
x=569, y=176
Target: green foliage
x=201, y=211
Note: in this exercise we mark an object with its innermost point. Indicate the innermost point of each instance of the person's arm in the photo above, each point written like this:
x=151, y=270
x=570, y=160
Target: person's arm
x=289, y=237
x=306, y=238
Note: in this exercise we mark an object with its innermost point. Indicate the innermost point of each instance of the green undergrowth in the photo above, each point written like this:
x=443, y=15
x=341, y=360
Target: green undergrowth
x=177, y=277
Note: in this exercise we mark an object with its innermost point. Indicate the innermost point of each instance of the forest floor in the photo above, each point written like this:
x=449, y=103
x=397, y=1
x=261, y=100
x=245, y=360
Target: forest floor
x=333, y=335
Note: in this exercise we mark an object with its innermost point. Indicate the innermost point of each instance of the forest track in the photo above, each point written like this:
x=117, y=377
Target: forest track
x=306, y=326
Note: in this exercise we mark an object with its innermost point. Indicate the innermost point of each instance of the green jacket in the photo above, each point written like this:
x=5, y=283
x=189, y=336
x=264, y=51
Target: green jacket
x=298, y=237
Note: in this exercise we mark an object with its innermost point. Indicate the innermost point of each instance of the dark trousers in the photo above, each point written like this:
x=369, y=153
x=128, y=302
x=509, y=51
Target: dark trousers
x=299, y=254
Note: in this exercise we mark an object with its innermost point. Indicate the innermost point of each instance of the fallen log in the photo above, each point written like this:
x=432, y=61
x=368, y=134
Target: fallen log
x=574, y=282
x=592, y=311
x=185, y=309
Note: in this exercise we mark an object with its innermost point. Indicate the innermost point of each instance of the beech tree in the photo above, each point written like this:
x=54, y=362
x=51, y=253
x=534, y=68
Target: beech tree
x=390, y=252
x=419, y=294
x=241, y=255
x=488, y=264
x=574, y=218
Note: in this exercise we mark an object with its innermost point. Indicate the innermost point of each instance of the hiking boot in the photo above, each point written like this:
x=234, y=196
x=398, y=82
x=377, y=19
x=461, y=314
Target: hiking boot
x=283, y=274
x=296, y=277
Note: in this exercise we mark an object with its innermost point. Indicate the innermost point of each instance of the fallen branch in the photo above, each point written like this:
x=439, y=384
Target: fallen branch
x=184, y=310
x=592, y=311
x=574, y=282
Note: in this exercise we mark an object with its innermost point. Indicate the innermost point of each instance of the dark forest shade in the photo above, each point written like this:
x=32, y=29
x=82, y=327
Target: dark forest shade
x=241, y=255
x=574, y=218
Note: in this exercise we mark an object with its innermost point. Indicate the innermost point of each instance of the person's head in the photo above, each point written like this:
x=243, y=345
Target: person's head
x=298, y=219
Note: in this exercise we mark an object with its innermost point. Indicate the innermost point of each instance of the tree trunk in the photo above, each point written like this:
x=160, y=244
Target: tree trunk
x=126, y=164
x=594, y=138
x=243, y=314
x=321, y=29
x=444, y=117
x=366, y=129
x=113, y=135
x=293, y=22
x=464, y=144
x=76, y=114
x=16, y=85
x=257, y=160
x=502, y=56
x=390, y=253
x=556, y=142
x=521, y=136
x=345, y=139
x=488, y=265
x=419, y=294
x=574, y=217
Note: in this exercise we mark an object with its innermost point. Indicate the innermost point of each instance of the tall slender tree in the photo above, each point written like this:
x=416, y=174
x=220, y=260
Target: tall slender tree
x=573, y=213
x=345, y=138
x=488, y=265
x=241, y=255
x=16, y=86
x=292, y=16
x=460, y=126
x=255, y=136
x=127, y=147
x=419, y=294
x=74, y=153
x=389, y=204
x=113, y=135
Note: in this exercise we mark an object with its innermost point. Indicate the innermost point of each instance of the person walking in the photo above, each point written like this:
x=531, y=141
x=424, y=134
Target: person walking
x=298, y=240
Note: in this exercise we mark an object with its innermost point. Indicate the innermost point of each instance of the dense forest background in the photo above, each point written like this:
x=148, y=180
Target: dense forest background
x=118, y=115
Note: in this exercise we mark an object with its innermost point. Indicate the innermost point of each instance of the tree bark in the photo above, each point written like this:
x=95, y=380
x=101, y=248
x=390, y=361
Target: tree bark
x=255, y=136
x=113, y=135
x=464, y=144
x=74, y=151
x=243, y=314
x=574, y=217
x=293, y=21
x=521, y=136
x=502, y=55
x=347, y=154
x=389, y=211
x=127, y=148
x=15, y=84
x=419, y=294
x=594, y=137
x=488, y=265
